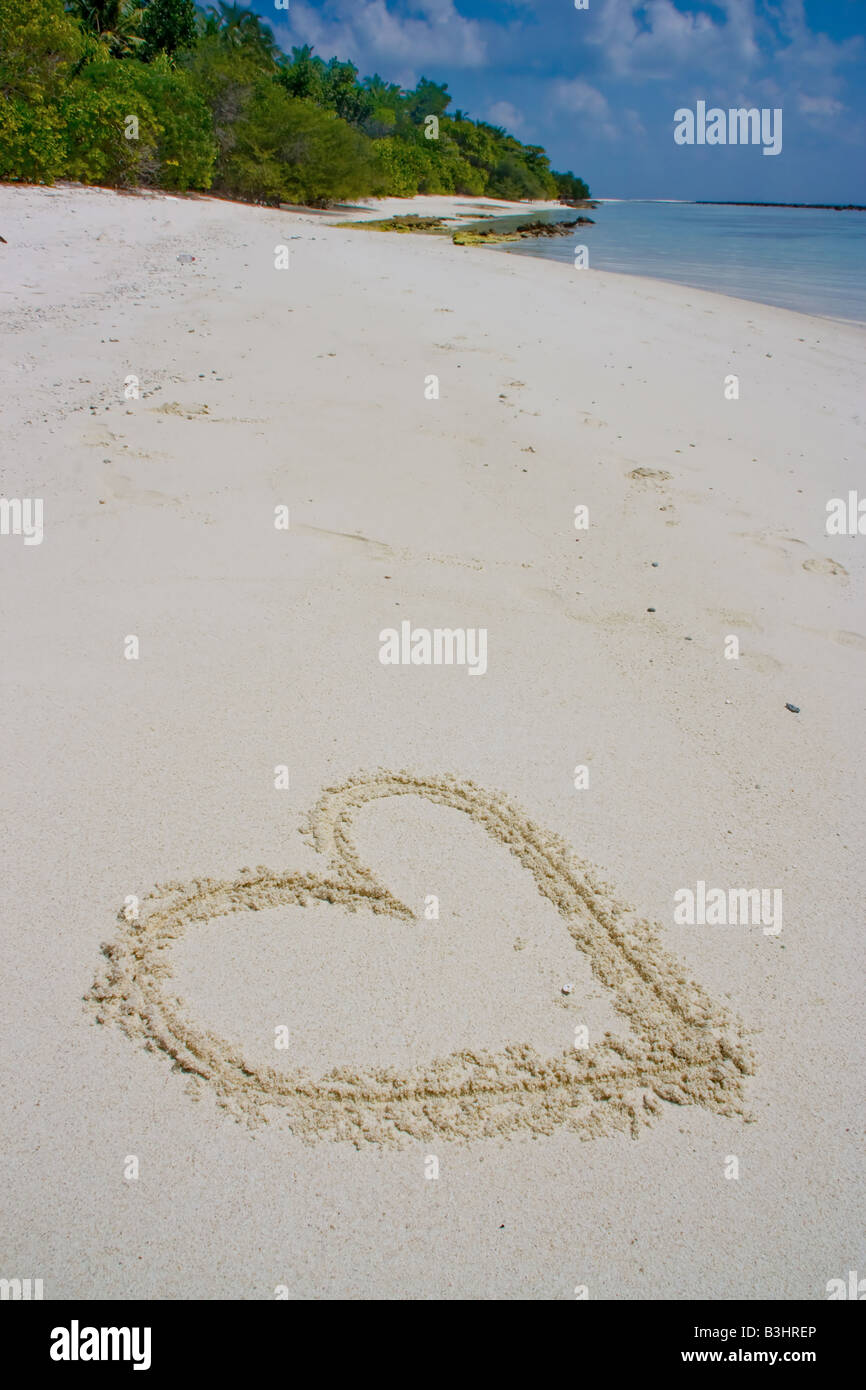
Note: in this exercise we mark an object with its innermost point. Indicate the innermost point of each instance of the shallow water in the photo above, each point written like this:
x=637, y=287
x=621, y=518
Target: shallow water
x=797, y=258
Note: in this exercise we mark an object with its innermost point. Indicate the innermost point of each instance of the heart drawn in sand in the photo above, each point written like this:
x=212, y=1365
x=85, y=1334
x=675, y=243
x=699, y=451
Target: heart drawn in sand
x=684, y=1048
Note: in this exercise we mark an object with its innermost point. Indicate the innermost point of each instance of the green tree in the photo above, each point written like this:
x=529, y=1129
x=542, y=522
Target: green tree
x=94, y=109
x=428, y=99
x=167, y=26
x=344, y=94
x=116, y=23
x=570, y=187
x=40, y=45
x=304, y=76
x=285, y=150
x=239, y=27
x=512, y=170
x=173, y=146
x=383, y=93
x=226, y=78
x=401, y=168
x=384, y=100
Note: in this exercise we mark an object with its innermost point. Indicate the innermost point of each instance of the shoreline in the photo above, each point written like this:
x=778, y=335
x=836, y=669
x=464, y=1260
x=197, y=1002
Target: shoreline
x=454, y=215
x=650, y=280
x=455, y=211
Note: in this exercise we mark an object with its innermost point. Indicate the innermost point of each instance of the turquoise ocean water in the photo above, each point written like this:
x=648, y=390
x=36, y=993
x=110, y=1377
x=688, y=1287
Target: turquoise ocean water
x=798, y=258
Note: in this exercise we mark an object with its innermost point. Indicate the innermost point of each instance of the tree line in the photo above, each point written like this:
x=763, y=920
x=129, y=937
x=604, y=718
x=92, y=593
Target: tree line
x=161, y=93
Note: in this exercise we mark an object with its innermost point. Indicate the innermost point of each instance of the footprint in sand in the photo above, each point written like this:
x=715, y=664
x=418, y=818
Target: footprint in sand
x=824, y=565
x=186, y=412
x=683, y=1047
x=650, y=475
x=781, y=545
x=655, y=477
x=848, y=639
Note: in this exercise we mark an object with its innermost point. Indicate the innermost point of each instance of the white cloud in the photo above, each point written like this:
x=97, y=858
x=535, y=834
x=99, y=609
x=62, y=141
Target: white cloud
x=654, y=39
x=578, y=95
x=375, y=33
x=819, y=106
x=582, y=99
x=502, y=113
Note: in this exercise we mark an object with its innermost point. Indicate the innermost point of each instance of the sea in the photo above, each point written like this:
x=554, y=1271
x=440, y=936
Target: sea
x=809, y=259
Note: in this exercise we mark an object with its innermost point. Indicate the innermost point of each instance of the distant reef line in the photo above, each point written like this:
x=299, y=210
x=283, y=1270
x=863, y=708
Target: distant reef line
x=823, y=207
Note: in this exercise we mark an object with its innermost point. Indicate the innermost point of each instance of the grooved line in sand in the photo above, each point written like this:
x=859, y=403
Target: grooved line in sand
x=686, y=1049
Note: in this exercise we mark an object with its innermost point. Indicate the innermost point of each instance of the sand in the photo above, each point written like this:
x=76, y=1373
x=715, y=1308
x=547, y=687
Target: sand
x=526, y=1036
x=684, y=1051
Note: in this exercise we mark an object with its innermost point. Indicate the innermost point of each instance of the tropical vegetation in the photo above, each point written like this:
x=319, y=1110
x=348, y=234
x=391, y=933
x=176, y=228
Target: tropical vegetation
x=165, y=94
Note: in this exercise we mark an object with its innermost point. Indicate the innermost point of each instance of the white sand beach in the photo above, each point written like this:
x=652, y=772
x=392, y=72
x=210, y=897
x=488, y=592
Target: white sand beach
x=450, y=1038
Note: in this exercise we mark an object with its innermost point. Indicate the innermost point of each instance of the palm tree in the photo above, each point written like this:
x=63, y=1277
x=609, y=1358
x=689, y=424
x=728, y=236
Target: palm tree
x=240, y=28
x=304, y=76
x=114, y=22
x=383, y=93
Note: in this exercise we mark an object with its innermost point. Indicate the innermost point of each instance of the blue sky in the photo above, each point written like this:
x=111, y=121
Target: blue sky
x=598, y=87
